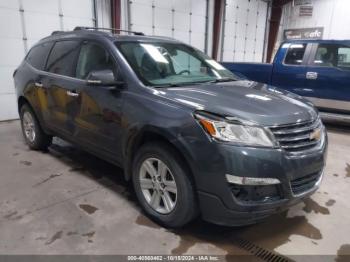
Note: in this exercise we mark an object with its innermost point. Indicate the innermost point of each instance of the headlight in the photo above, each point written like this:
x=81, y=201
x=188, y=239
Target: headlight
x=223, y=130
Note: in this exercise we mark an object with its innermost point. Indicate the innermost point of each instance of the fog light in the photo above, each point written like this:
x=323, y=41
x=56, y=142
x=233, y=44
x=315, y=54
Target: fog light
x=251, y=181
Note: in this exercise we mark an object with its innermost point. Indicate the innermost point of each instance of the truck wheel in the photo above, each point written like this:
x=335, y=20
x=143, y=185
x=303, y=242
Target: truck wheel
x=163, y=185
x=33, y=134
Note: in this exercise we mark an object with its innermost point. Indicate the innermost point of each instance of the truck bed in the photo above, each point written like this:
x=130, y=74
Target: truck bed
x=259, y=72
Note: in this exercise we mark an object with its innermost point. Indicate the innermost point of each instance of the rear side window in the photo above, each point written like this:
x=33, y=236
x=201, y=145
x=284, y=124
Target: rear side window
x=62, y=58
x=326, y=55
x=295, y=54
x=344, y=57
x=331, y=55
x=38, y=54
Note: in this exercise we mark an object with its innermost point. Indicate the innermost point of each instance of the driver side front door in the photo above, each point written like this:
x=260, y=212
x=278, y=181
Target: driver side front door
x=98, y=124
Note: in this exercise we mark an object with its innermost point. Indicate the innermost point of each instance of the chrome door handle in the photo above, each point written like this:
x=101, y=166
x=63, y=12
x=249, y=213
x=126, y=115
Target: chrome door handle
x=74, y=94
x=38, y=84
x=311, y=75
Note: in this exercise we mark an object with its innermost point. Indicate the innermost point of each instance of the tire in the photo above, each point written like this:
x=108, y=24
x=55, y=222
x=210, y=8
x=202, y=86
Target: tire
x=184, y=208
x=33, y=134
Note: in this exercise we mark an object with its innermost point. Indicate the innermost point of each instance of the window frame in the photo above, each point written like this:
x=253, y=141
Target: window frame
x=306, y=55
x=116, y=68
x=142, y=79
x=75, y=60
x=313, y=55
x=343, y=67
x=47, y=56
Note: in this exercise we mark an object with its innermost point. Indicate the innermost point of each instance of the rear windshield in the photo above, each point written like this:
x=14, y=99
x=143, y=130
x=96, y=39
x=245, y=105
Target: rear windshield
x=162, y=64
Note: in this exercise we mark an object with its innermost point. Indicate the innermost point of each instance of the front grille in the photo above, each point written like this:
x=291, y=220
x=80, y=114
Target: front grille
x=305, y=183
x=297, y=137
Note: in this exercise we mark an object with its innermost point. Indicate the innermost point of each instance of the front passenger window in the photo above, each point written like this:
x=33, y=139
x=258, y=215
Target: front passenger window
x=92, y=57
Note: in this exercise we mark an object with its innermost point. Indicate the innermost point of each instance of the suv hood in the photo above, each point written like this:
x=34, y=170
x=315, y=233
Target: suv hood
x=256, y=102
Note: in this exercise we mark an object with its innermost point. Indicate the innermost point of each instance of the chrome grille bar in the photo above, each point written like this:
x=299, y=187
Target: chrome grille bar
x=297, y=137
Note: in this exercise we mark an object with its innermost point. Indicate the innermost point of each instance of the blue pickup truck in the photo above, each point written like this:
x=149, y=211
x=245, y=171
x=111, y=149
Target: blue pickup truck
x=316, y=69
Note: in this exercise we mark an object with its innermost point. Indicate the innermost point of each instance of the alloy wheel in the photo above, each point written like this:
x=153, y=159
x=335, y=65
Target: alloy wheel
x=158, y=185
x=29, y=126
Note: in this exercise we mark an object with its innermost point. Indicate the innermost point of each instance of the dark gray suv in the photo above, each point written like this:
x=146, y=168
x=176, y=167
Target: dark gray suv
x=192, y=137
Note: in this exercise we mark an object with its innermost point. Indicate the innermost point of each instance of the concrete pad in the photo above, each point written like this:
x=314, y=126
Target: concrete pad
x=66, y=201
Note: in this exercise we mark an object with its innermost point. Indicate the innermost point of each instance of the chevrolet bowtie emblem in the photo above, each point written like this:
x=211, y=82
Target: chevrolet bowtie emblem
x=316, y=134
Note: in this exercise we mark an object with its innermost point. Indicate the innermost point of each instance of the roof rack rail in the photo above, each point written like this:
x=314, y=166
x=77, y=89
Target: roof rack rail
x=105, y=28
x=57, y=32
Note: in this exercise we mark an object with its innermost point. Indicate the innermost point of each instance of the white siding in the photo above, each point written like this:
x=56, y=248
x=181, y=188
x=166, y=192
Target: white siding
x=333, y=15
x=244, y=31
x=184, y=20
x=23, y=23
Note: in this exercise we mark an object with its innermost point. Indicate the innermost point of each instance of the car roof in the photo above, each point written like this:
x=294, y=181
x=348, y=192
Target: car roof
x=319, y=41
x=96, y=34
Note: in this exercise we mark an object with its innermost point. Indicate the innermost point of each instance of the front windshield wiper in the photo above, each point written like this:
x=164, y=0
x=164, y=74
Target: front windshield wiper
x=179, y=84
x=221, y=80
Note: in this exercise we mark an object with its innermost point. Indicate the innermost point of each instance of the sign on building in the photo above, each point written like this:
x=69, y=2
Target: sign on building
x=302, y=2
x=306, y=10
x=303, y=33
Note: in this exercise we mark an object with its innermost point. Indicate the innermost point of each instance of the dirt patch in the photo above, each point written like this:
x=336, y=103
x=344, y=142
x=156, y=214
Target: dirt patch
x=25, y=162
x=89, y=236
x=330, y=202
x=144, y=221
x=56, y=236
x=336, y=175
x=201, y=233
x=40, y=238
x=311, y=205
x=271, y=234
x=343, y=253
x=347, y=170
x=13, y=216
x=88, y=208
x=47, y=179
x=72, y=233
x=277, y=230
x=8, y=216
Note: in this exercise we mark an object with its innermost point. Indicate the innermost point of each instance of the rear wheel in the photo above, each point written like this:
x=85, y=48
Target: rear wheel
x=33, y=134
x=163, y=185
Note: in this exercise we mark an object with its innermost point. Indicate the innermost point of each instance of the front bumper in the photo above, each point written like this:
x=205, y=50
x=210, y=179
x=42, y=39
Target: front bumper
x=229, y=204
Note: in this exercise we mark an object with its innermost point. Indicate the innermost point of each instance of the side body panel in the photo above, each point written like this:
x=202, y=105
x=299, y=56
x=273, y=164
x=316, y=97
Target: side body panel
x=286, y=76
x=329, y=88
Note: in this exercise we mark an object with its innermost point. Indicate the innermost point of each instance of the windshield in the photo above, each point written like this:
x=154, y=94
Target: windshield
x=166, y=64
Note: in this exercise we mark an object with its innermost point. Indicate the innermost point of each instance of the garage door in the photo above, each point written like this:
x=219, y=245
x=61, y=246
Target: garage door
x=23, y=23
x=244, y=31
x=187, y=23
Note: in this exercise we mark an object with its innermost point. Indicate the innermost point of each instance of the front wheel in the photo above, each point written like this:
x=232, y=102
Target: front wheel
x=163, y=185
x=33, y=134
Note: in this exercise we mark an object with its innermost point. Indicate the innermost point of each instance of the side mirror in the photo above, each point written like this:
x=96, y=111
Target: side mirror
x=103, y=78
